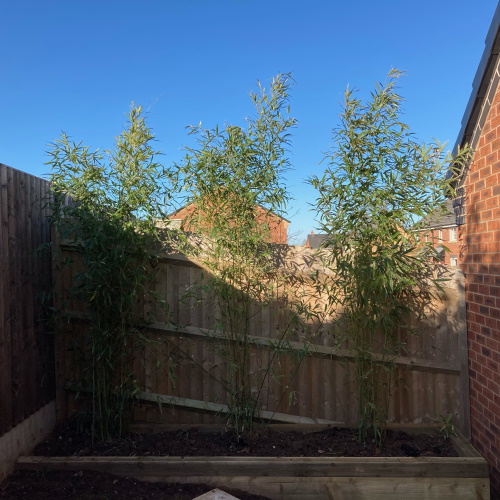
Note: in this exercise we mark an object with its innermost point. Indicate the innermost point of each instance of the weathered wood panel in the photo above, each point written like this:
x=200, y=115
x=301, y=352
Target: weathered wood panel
x=323, y=478
x=269, y=466
x=26, y=345
x=186, y=359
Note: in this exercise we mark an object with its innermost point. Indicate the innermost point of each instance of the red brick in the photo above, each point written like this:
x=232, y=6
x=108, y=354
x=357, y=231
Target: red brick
x=480, y=205
x=479, y=185
x=494, y=312
x=486, y=171
x=486, y=193
x=484, y=151
x=493, y=224
x=494, y=386
x=494, y=366
x=473, y=307
x=477, y=348
x=495, y=122
x=492, y=345
x=495, y=145
x=489, y=375
x=487, y=394
x=491, y=322
x=474, y=328
x=489, y=301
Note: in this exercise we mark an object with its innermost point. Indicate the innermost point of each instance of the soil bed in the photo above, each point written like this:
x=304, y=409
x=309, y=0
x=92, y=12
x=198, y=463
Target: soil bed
x=335, y=442
x=92, y=485
x=77, y=483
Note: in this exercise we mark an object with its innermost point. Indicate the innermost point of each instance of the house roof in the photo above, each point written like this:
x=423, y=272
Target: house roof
x=483, y=87
x=314, y=241
x=440, y=218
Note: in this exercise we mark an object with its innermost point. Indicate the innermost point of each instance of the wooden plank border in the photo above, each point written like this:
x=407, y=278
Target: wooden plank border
x=472, y=467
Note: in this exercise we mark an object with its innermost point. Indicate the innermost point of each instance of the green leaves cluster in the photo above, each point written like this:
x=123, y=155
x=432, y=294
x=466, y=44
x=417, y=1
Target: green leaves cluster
x=235, y=170
x=379, y=180
x=234, y=180
x=106, y=206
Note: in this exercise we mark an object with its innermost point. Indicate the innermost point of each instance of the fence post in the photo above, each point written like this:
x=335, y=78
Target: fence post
x=463, y=355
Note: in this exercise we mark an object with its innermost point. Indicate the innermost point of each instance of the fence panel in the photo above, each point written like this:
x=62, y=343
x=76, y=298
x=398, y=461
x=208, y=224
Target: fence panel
x=186, y=362
x=26, y=345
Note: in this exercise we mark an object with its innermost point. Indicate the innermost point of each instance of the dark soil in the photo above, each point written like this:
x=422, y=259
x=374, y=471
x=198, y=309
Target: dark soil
x=65, y=441
x=90, y=485
x=333, y=442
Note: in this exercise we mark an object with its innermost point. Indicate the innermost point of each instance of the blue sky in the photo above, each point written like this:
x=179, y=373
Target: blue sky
x=76, y=65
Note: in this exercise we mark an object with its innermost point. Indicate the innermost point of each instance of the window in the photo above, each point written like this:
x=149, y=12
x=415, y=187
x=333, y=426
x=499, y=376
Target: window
x=453, y=234
x=453, y=261
x=440, y=254
x=440, y=233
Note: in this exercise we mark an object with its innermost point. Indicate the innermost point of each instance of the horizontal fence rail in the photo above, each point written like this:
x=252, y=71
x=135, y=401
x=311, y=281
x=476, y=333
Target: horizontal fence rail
x=308, y=373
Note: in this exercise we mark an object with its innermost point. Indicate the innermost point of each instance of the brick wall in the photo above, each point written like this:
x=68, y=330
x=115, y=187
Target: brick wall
x=481, y=264
x=278, y=227
x=445, y=239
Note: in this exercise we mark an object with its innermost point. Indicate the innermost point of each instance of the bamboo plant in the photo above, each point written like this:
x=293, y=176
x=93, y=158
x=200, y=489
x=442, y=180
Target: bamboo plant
x=378, y=182
x=107, y=204
x=234, y=180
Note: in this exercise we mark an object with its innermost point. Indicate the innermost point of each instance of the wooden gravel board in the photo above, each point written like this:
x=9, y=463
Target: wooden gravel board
x=378, y=488
x=463, y=447
x=263, y=466
x=151, y=428
x=349, y=488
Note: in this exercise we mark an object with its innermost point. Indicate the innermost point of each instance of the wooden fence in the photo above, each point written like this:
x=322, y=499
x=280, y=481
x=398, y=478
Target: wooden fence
x=311, y=378
x=26, y=345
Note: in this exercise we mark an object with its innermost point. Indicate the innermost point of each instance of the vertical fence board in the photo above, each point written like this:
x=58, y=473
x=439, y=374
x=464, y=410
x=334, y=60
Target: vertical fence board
x=322, y=387
x=5, y=319
x=26, y=357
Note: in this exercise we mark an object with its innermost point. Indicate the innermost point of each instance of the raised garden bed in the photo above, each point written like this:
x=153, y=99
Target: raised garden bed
x=320, y=477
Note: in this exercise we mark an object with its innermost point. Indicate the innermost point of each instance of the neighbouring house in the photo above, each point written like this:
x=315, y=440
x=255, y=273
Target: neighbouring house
x=314, y=241
x=441, y=230
x=278, y=226
x=477, y=209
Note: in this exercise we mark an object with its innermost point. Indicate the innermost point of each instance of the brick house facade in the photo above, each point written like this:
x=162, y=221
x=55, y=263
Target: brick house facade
x=278, y=226
x=477, y=210
x=441, y=230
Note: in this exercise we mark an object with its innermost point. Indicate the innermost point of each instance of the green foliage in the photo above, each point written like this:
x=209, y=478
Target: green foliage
x=106, y=206
x=234, y=180
x=445, y=425
x=378, y=182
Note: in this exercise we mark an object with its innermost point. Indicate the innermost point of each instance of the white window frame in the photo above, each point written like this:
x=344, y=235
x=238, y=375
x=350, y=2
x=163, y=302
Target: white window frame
x=453, y=234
